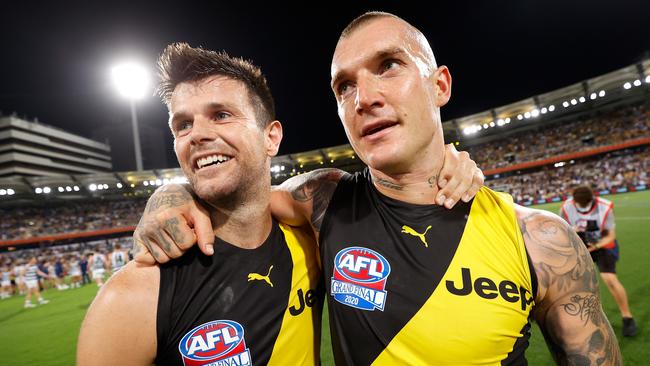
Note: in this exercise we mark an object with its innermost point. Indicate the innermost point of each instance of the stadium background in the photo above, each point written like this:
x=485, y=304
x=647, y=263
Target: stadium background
x=537, y=147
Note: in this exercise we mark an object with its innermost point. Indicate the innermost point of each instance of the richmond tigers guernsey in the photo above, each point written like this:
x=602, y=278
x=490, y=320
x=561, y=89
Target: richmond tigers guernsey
x=242, y=307
x=422, y=285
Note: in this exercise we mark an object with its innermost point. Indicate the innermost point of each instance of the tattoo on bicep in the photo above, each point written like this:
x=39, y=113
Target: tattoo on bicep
x=563, y=261
x=586, y=307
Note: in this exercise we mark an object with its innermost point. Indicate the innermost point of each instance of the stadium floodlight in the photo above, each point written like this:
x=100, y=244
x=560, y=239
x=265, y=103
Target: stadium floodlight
x=132, y=81
x=601, y=93
x=10, y=192
x=47, y=190
x=466, y=131
x=61, y=189
x=105, y=186
x=637, y=82
x=627, y=85
x=68, y=189
x=93, y=187
x=500, y=122
x=507, y=120
x=485, y=125
x=3, y=192
x=582, y=99
x=145, y=183
x=565, y=104
x=119, y=185
x=527, y=115
x=574, y=101
x=534, y=112
x=520, y=117
x=158, y=182
x=551, y=108
x=38, y=190
x=132, y=185
x=593, y=96
x=647, y=79
x=492, y=124
x=75, y=188
x=544, y=110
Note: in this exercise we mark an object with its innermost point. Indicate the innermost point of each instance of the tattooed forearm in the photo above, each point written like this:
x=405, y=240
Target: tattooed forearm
x=318, y=187
x=390, y=185
x=168, y=196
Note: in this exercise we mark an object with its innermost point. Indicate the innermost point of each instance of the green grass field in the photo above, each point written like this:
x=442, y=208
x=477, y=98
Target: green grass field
x=47, y=335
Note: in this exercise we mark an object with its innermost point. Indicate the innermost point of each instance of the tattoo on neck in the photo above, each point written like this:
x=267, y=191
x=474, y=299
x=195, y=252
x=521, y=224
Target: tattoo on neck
x=390, y=185
x=432, y=180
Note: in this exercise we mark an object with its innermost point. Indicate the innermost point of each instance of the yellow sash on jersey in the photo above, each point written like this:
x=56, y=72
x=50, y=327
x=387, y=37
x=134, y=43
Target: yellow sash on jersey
x=479, y=324
x=298, y=342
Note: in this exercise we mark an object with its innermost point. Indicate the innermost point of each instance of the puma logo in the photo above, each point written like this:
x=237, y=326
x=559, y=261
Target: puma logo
x=259, y=277
x=409, y=230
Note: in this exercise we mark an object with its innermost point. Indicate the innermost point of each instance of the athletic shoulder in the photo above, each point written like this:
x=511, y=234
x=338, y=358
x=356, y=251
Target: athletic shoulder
x=120, y=325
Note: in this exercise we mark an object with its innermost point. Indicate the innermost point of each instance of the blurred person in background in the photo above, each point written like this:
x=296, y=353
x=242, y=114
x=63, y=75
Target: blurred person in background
x=593, y=220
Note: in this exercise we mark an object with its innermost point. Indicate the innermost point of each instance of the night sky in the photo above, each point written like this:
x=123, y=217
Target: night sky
x=56, y=57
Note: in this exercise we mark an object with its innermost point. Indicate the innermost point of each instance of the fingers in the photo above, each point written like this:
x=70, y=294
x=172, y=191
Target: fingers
x=477, y=182
x=153, y=248
x=202, y=225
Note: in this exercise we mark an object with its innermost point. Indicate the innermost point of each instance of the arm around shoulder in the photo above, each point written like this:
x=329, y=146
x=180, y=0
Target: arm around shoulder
x=304, y=198
x=120, y=326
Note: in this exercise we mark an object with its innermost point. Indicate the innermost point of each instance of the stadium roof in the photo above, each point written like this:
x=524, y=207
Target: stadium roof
x=631, y=82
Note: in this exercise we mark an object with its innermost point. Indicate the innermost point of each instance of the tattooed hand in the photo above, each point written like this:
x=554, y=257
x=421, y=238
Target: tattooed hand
x=568, y=307
x=172, y=223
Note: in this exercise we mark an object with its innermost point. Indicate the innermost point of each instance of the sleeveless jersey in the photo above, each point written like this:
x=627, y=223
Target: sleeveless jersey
x=242, y=307
x=422, y=285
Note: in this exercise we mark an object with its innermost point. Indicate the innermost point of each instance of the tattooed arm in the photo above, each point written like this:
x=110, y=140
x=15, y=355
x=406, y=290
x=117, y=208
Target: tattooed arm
x=304, y=198
x=568, y=307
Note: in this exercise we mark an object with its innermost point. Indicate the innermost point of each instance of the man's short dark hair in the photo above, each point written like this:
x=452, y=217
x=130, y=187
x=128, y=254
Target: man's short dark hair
x=179, y=62
x=583, y=195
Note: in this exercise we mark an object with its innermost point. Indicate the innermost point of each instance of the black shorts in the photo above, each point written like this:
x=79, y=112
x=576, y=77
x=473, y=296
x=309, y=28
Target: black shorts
x=605, y=260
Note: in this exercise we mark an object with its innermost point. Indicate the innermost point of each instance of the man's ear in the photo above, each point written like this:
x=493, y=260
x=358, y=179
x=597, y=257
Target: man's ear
x=273, y=137
x=442, y=79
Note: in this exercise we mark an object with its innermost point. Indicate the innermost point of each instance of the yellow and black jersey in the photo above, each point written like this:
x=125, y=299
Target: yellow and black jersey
x=242, y=307
x=422, y=285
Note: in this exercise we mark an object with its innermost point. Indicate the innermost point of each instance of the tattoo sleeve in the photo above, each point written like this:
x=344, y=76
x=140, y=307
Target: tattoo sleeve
x=568, y=307
x=317, y=188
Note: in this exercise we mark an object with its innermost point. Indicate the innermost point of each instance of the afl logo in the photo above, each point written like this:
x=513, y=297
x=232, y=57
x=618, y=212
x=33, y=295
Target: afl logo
x=219, y=342
x=359, y=278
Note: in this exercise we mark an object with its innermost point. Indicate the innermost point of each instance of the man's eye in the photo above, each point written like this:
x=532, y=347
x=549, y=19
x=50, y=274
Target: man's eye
x=343, y=88
x=389, y=64
x=184, y=125
x=221, y=115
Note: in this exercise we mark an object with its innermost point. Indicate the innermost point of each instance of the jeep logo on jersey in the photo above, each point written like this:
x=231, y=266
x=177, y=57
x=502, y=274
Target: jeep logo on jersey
x=359, y=278
x=489, y=289
x=218, y=343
